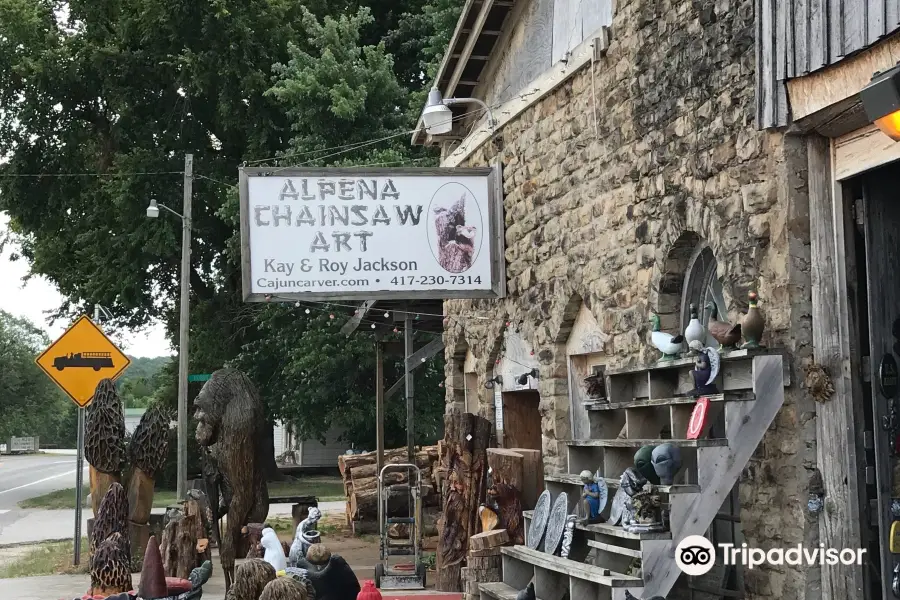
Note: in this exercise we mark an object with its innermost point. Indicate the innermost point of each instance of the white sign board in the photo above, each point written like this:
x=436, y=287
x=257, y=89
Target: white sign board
x=345, y=234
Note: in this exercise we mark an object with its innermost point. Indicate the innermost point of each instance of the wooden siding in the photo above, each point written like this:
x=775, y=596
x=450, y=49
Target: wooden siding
x=800, y=37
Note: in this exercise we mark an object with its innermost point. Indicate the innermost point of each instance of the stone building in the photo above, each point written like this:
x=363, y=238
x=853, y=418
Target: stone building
x=658, y=154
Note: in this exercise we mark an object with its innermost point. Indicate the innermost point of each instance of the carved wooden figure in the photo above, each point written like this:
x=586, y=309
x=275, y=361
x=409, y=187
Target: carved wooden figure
x=147, y=452
x=466, y=438
x=104, y=435
x=110, y=548
x=230, y=422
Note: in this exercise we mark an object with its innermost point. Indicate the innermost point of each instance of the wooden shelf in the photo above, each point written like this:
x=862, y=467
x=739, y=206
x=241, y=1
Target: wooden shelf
x=498, y=591
x=637, y=443
x=736, y=396
x=619, y=532
x=687, y=361
x=614, y=483
x=571, y=568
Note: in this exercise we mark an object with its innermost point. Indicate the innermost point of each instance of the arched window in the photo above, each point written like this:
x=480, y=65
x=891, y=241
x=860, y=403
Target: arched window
x=702, y=286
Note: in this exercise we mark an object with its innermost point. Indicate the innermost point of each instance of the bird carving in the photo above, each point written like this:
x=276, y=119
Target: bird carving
x=726, y=334
x=629, y=596
x=527, y=593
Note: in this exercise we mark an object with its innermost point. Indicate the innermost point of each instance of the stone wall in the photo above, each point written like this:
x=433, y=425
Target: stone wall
x=608, y=189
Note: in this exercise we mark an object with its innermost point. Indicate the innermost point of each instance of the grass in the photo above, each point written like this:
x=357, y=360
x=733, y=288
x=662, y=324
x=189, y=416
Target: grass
x=328, y=525
x=324, y=488
x=53, y=558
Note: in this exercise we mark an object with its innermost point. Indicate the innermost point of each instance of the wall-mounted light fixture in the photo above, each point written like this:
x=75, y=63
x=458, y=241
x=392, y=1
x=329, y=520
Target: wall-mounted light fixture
x=437, y=116
x=881, y=100
x=489, y=384
x=523, y=378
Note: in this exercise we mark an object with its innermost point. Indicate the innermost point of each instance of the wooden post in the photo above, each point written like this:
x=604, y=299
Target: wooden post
x=533, y=481
x=508, y=475
x=839, y=460
x=466, y=438
x=379, y=418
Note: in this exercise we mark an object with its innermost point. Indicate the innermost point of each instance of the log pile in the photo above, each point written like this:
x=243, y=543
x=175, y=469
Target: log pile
x=484, y=561
x=361, y=482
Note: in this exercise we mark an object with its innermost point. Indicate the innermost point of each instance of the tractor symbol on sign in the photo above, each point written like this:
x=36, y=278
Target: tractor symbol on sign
x=84, y=360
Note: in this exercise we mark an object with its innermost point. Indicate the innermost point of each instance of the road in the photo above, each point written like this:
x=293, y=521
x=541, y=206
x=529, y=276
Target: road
x=27, y=476
x=23, y=477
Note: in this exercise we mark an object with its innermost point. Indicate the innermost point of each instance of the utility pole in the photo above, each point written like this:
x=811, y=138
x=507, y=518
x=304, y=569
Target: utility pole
x=184, y=325
x=410, y=388
x=79, y=466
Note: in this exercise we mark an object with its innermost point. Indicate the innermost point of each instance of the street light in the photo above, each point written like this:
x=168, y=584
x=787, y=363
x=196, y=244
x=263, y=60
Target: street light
x=437, y=116
x=881, y=101
x=184, y=320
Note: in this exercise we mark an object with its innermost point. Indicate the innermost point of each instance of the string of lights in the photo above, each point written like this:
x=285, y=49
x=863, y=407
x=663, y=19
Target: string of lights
x=326, y=308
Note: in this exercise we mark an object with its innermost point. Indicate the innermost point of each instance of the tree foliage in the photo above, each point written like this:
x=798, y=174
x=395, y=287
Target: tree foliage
x=122, y=89
x=30, y=402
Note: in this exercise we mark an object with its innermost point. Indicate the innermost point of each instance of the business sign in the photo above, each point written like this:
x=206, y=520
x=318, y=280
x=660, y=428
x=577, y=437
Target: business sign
x=350, y=234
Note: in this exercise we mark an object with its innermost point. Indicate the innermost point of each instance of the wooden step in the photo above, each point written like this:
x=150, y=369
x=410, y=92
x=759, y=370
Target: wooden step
x=615, y=549
x=637, y=443
x=572, y=568
x=499, y=590
x=688, y=361
x=619, y=532
x=736, y=396
x=614, y=483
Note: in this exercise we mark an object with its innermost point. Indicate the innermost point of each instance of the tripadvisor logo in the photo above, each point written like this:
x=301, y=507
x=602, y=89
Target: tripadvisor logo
x=695, y=555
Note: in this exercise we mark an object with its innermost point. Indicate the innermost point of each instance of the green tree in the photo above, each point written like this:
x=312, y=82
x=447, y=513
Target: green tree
x=124, y=88
x=30, y=402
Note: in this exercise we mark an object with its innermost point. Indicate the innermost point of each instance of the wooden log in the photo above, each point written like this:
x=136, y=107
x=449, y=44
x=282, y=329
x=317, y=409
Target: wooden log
x=138, y=536
x=467, y=437
x=507, y=474
x=533, y=483
x=489, y=539
x=100, y=482
x=486, y=552
x=140, y=497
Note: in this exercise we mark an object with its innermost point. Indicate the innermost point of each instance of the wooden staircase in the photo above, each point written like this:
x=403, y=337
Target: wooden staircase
x=650, y=406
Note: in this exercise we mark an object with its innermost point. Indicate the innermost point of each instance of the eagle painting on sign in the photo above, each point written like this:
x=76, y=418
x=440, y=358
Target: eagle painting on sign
x=373, y=234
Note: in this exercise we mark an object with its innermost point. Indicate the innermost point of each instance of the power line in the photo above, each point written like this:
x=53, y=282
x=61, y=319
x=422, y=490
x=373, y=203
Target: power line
x=119, y=174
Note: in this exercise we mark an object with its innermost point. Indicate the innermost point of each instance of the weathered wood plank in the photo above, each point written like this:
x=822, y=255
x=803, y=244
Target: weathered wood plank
x=796, y=50
x=782, y=30
x=468, y=47
x=424, y=353
x=882, y=234
x=570, y=567
x=838, y=459
x=835, y=30
x=741, y=396
x=818, y=91
x=817, y=28
x=875, y=19
x=637, y=443
x=863, y=150
x=854, y=13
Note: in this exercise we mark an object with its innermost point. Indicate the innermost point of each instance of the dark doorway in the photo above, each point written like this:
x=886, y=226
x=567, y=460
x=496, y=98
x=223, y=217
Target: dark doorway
x=872, y=203
x=522, y=420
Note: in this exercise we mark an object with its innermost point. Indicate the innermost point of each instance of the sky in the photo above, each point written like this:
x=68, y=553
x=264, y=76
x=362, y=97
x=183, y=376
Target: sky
x=33, y=299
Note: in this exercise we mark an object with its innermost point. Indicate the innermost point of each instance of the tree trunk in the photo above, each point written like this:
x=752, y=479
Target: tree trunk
x=466, y=438
x=508, y=474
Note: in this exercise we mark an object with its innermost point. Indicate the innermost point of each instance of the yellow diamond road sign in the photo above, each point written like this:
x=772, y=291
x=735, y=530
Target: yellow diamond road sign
x=80, y=359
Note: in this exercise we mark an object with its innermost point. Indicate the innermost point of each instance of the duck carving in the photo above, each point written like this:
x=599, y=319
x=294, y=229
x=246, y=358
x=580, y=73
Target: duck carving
x=753, y=324
x=695, y=332
x=726, y=334
x=670, y=345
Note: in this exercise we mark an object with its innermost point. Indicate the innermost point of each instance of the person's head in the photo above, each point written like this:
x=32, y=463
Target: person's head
x=586, y=477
